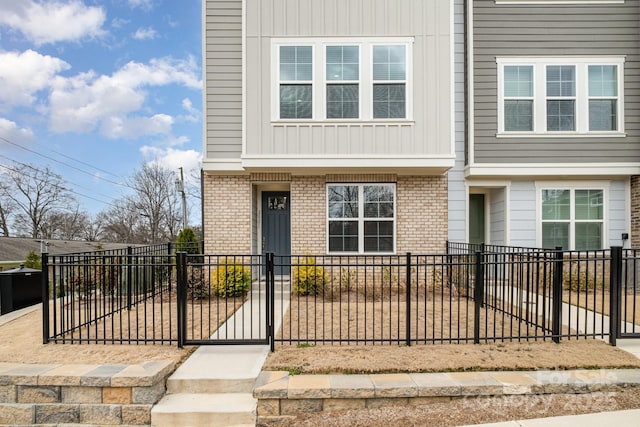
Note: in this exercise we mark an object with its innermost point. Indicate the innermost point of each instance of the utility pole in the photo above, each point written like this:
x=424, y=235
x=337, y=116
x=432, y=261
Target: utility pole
x=180, y=189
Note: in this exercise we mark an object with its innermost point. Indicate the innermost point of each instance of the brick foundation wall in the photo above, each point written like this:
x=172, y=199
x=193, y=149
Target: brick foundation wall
x=422, y=214
x=308, y=215
x=227, y=214
x=635, y=211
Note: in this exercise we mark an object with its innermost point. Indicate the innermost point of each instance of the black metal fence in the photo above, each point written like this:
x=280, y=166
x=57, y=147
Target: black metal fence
x=472, y=293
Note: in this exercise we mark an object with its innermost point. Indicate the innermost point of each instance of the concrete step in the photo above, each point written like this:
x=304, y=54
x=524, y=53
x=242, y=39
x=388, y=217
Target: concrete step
x=219, y=369
x=203, y=410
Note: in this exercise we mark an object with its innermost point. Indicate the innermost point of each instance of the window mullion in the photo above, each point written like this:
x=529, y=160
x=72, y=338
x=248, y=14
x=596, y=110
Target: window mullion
x=582, y=98
x=361, y=219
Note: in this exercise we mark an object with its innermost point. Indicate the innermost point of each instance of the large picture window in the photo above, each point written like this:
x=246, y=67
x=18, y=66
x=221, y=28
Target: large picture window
x=342, y=79
x=559, y=96
x=361, y=218
x=572, y=218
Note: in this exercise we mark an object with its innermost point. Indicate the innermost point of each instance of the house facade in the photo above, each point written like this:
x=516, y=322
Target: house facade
x=550, y=152
x=329, y=126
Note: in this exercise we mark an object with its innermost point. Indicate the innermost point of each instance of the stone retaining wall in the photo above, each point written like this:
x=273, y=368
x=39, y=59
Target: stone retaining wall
x=282, y=397
x=91, y=395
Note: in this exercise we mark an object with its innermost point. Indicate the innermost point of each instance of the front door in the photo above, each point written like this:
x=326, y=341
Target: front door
x=276, y=227
x=476, y=218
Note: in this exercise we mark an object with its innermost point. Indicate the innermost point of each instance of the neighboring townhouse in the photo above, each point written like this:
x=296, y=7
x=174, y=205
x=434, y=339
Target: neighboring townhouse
x=328, y=125
x=551, y=147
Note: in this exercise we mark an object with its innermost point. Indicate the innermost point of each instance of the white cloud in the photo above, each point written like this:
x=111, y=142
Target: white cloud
x=194, y=114
x=134, y=127
x=119, y=22
x=22, y=75
x=173, y=159
x=86, y=101
x=11, y=131
x=52, y=21
x=142, y=4
x=145, y=34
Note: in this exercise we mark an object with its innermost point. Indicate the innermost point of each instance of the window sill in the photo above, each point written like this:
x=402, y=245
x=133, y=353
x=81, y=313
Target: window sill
x=351, y=122
x=561, y=135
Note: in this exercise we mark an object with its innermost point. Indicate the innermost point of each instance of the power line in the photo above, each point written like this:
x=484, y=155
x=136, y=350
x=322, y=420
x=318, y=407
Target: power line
x=38, y=170
x=63, y=163
x=57, y=186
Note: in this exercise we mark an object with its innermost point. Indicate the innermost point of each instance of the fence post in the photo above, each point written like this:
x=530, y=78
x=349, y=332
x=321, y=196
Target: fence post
x=181, y=284
x=408, y=307
x=129, y=275
x=45, y=297
x=615, y=287
x=478, y=296
x=556, y=306
x=270, y=291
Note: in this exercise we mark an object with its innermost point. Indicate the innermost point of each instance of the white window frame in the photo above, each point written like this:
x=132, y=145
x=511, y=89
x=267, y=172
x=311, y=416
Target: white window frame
x=327, y=82
x=582, y=95
x=361, y=218
x=319, y=83
x=572, y=187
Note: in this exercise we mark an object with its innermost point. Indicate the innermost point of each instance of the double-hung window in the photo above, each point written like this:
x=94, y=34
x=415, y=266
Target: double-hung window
x=342, y=79
x=296, y=82
x=361, y=218
x=560, y=96
x=572, y=218
x=343, y=82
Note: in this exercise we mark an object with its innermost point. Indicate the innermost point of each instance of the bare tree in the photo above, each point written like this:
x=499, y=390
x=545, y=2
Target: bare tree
x=70, y=225
x=155, y=200
x=7, y=206
x=36, y=194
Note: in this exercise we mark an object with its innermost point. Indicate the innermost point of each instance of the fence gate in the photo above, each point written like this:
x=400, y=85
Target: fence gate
x=225, y=300
x=625, y=267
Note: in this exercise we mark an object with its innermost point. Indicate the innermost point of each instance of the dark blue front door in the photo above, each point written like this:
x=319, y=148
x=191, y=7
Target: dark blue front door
x=276, y=227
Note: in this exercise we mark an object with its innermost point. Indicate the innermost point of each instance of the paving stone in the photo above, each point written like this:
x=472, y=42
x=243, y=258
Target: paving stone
x=351, y=386
x=4, y=368
x=274, y=390
x=300, y=406
x=383, y=402
x=142, y=375
x=275, y=420
x=394, y=385
x=428, y=400
x=76, y=394
x=8, y=394
x=514, y=382
x=64, y=375
x=57, y=413
x=38, y=394
x=343, y=404
x=309, y=387
x=145, y=395
x=101, y=376
x=136, y=414
x=268, y=407
x=25, y=374
x=121, y=395
x=437, y=384
x=101, y=414
x=267, y=377
x=12, y=414
x=476, y=383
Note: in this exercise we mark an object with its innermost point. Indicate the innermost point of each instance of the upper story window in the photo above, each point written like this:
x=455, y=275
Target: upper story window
x=346, y=79
x=560, y=96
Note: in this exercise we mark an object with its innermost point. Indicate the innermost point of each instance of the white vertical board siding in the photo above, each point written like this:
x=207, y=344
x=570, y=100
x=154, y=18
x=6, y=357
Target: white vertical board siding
x=222, y=64
x=618, y=212
x=426, y=22
x=457, y=188
x=496, y=216
x=523, y=214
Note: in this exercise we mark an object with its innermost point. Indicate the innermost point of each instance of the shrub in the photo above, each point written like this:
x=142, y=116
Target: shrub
x=33, y=260
x=230, y=279
x=308, y=278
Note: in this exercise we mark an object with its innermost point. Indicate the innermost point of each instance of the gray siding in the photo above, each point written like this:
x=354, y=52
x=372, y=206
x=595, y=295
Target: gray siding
x=223, y=78
x=457, y=187
x=427, y=22
x=496, y=216
x=547, y=30
x=523, y=214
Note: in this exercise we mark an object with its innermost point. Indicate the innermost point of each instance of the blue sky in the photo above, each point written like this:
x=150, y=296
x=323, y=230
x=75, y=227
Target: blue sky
x=101, y=86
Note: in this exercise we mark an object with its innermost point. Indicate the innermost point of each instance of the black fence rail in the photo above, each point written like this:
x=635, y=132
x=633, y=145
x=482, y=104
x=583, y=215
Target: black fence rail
x=118, y=296
x=472, y=293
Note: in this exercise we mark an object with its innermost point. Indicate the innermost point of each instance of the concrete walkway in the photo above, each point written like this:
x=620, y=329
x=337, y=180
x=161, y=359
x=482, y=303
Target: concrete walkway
x=630, y=418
